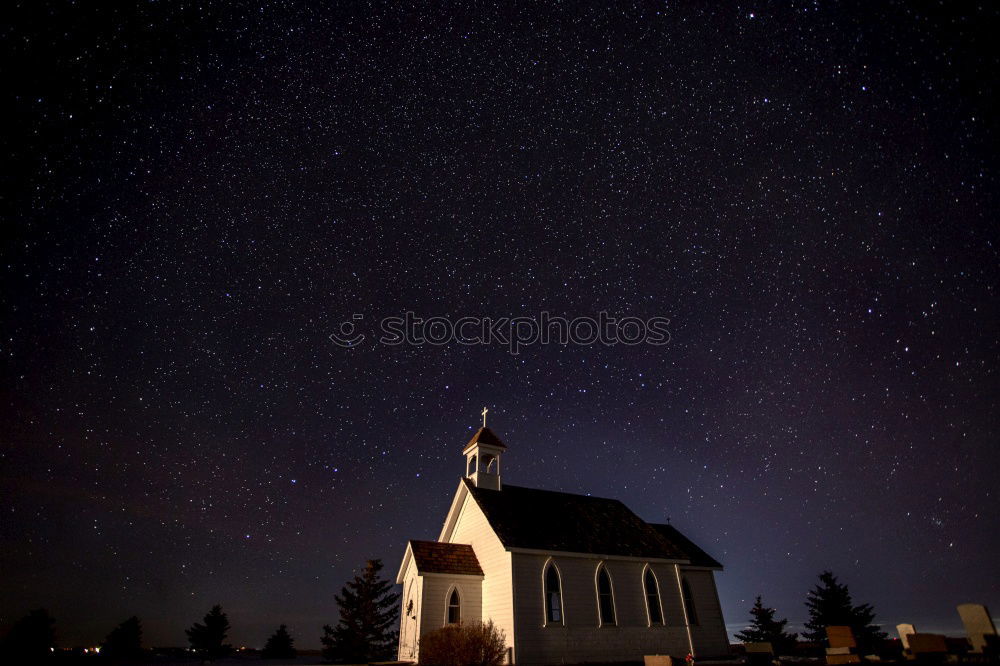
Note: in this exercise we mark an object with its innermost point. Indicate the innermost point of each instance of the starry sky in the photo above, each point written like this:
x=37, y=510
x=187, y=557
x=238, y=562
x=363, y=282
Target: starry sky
x=197, y=194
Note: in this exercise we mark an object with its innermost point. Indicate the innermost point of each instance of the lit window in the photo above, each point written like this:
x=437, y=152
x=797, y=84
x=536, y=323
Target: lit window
x=692, y=614
x=553, y=596
x=605, y=597
x=652, y=597
x=454, y=608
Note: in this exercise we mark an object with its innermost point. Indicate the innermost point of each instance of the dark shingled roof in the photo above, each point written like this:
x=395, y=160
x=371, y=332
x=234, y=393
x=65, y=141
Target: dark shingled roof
x=698, y=557
x=546, y=520
x=485, y=436
x=445, y=558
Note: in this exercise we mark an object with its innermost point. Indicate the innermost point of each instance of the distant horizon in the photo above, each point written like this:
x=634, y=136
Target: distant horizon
x=955, y=630
x=238, y=634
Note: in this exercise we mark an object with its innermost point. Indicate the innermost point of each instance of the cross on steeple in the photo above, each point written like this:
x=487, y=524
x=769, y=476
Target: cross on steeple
x=482, y=457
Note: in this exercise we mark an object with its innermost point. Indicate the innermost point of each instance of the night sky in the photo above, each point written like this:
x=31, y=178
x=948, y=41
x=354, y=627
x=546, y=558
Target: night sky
x=196, y=195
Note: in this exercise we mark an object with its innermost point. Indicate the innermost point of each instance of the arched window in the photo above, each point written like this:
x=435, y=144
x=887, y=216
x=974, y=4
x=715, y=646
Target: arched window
x=454, y=607
x=652, y=589
x=472, y=466
x=488, y=463
x=553, y=595
x=605, y=597
x=692, y=614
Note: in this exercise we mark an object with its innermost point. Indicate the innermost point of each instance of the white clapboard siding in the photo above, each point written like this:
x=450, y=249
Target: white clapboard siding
x=437, y=589
x=580, y=639
x=472, y=528
x=409, y=626
x=709, y=635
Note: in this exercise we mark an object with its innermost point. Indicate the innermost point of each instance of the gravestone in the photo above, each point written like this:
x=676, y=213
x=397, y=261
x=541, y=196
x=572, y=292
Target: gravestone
x=759, y=648
x=657, y=660
x=840, y=637
x=759, y=654
x=904, y=631
x=843, y=647
x=927, y=644
x=979, y=626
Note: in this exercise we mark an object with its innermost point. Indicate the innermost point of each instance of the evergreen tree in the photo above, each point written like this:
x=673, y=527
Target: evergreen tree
x=830, y=604
x=207, y=639
x=765, y=629
x=31, y=638
x=124, y=641
x=279, y=645
x=369, y=613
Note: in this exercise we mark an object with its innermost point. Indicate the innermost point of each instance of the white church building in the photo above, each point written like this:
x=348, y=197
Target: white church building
x=568, y=578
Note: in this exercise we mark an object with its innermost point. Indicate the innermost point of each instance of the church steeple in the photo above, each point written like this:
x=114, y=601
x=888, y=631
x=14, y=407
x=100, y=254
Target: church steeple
x=482, y=457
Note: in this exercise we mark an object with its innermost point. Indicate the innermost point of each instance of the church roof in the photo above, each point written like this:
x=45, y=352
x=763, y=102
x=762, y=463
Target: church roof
x=485, y=436
x=698, y=557
x=445, y=558
x=553, y=521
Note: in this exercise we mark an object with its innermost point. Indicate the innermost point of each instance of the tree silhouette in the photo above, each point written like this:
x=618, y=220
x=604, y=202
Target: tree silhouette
x=368, y=612
x=279, y=645
x=30, y=639
x=830, y=604
x=765, y=629
x=207, y=639
x=124, y=641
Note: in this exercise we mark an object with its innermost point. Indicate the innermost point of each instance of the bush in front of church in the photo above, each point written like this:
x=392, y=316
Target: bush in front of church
x=476, y=644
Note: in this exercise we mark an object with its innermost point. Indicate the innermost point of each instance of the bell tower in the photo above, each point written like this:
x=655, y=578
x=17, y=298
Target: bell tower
x=482, y=458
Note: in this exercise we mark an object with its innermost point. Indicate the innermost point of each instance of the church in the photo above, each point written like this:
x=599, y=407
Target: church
x=568, y=578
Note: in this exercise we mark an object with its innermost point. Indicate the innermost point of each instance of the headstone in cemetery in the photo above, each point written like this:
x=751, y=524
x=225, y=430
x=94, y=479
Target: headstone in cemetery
x=657, y=660
x=979, y=626
x=840, y=637
x=927, y=644
x=904, y=631
x=759, y=654
x=843, y=647
x=759, y=648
